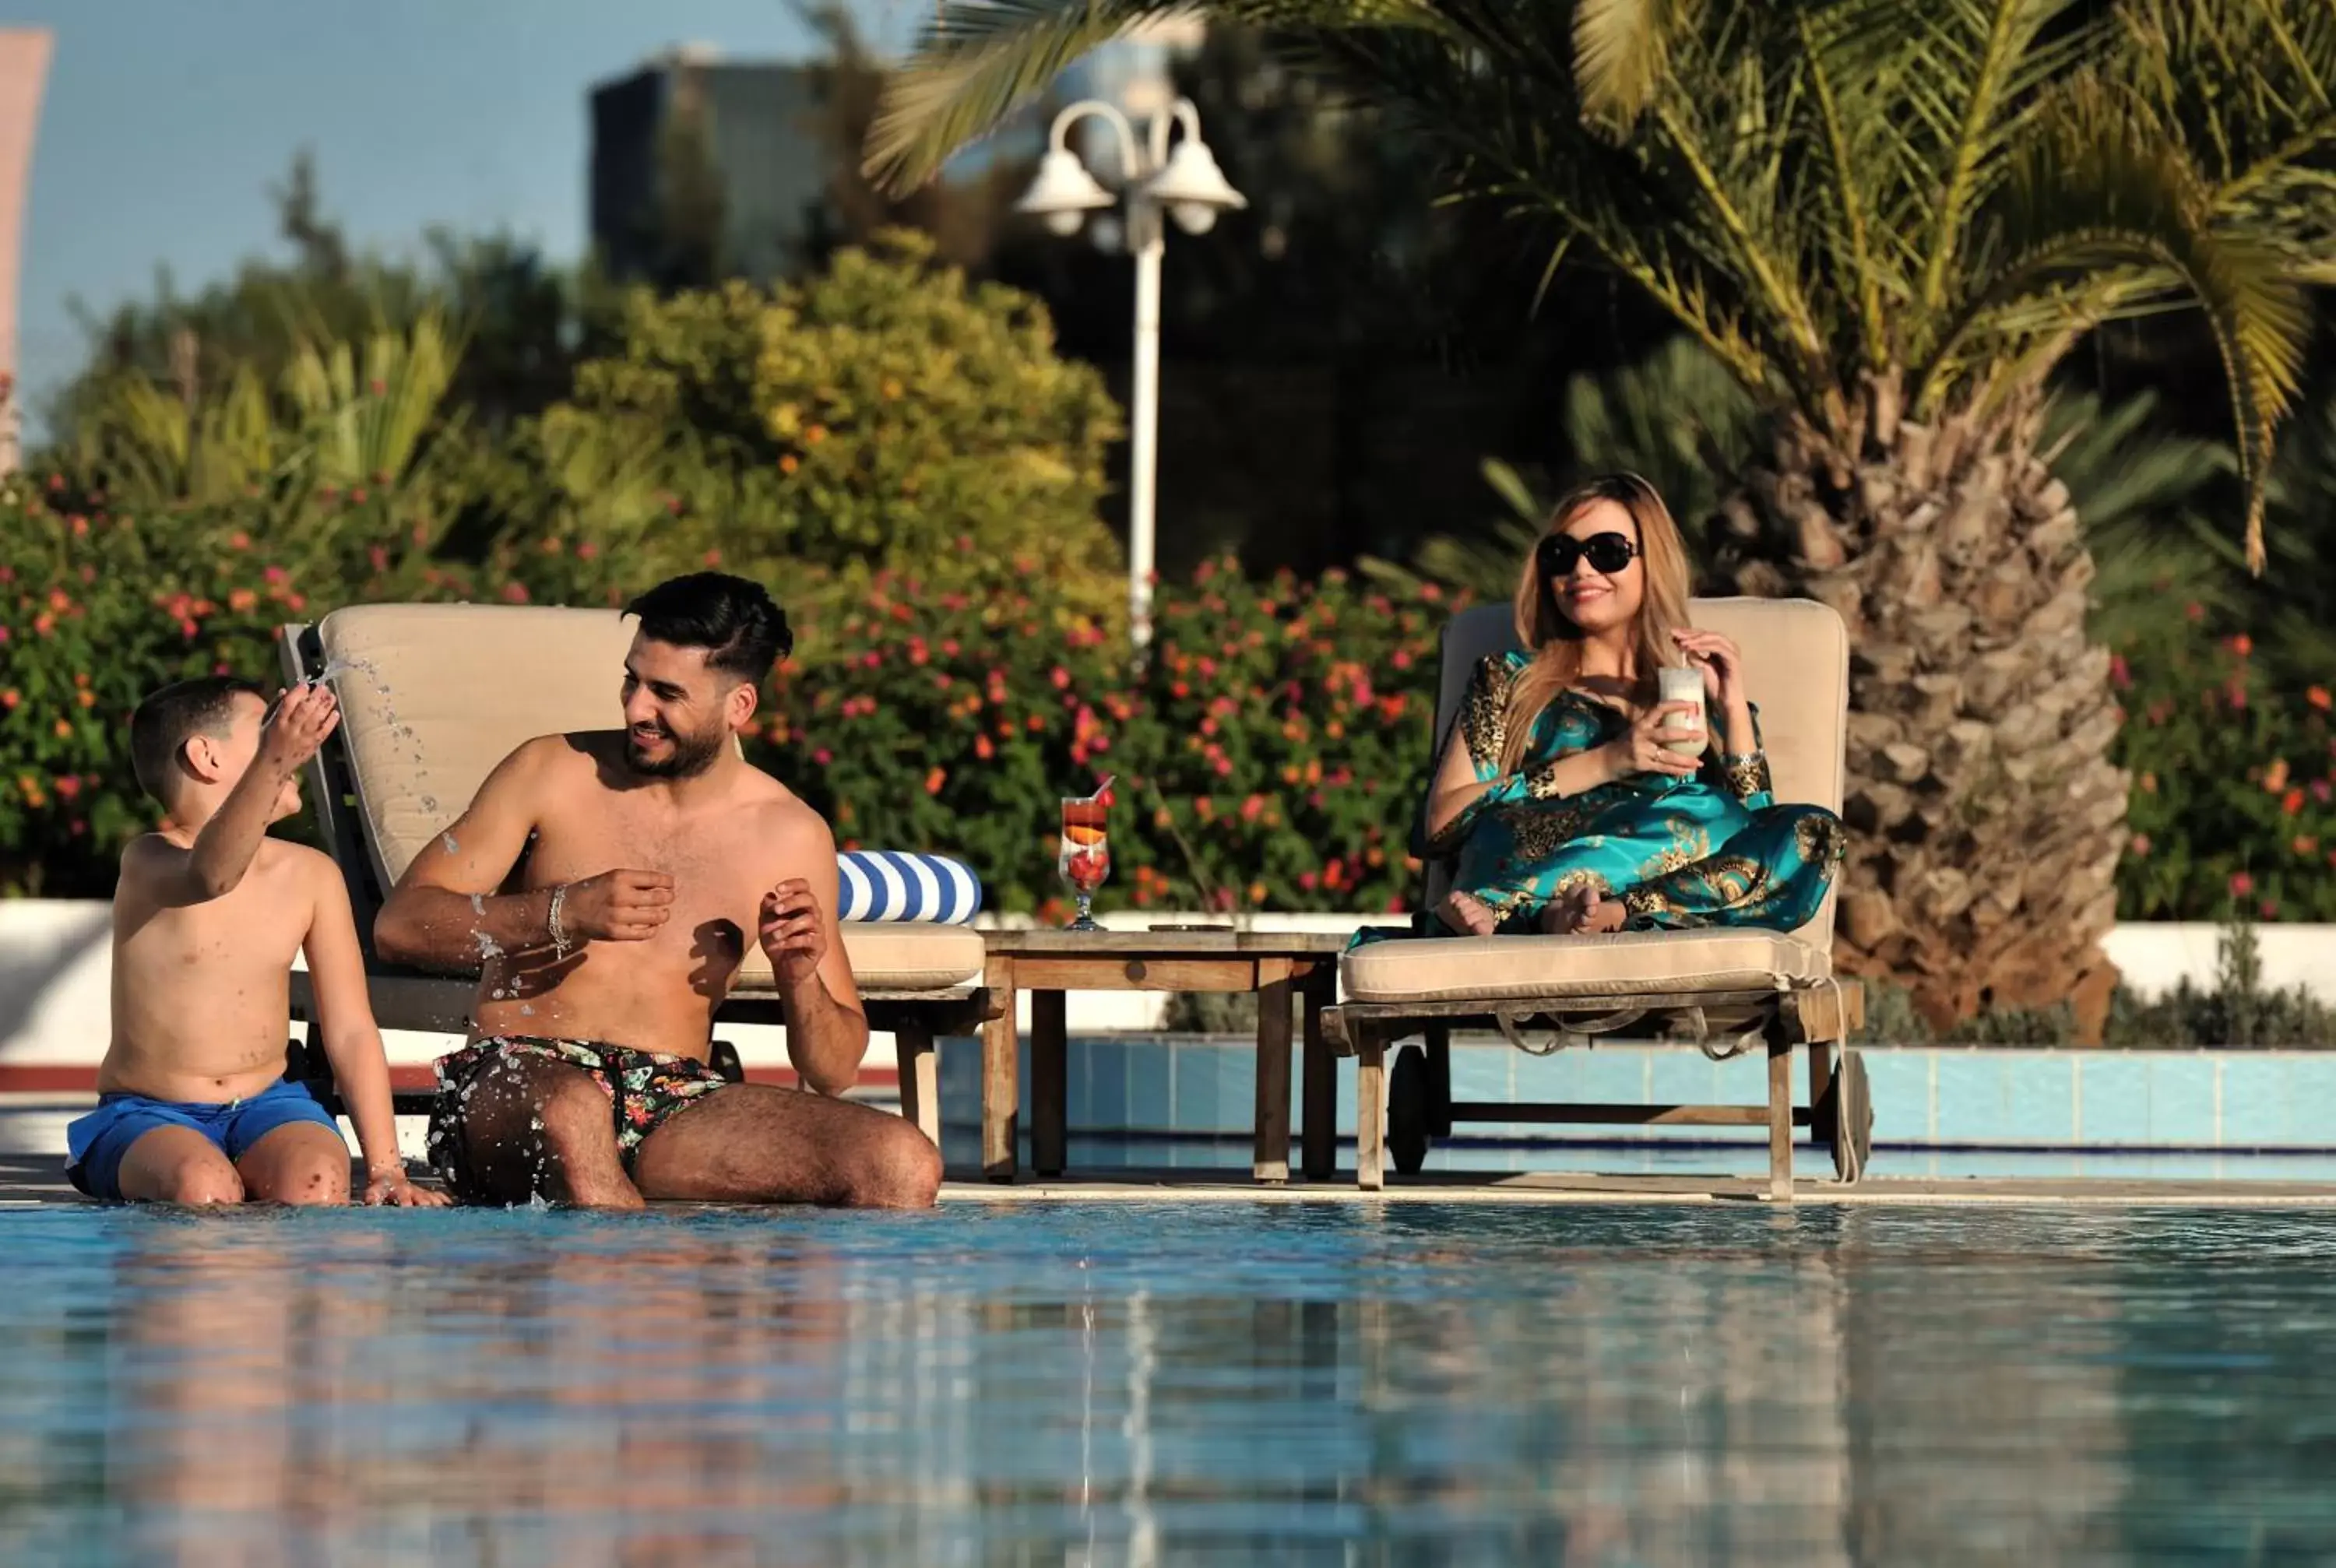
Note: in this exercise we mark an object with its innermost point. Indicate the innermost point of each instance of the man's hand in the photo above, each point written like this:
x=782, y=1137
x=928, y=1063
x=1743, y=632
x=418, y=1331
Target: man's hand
x=618, y=906
x=390, y=1189
x=304, y=716
x=794, y=931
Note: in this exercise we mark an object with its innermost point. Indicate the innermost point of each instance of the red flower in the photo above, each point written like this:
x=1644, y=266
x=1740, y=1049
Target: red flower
x=1060, y=676
x=2120, y=676
x=935, y=779
x=2291, y=801
x=2243, y=645
x=822, y=757
x=2317, y=695
x=2242, y=885
x=2269, y=909
x=982, y=748
x=587, y=550
x=68, y=787
x=515, y=593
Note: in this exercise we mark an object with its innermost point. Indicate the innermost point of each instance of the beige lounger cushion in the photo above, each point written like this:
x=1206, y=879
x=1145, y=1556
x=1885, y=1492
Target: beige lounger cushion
x=438, y=694
x=1639, y=963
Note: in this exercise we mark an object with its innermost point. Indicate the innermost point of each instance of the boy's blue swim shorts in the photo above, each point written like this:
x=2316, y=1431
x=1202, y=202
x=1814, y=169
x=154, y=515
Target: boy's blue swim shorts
x=95, y=1143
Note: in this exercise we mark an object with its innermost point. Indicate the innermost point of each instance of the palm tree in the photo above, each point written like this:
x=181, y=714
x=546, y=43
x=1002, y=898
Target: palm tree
x=1889, y=222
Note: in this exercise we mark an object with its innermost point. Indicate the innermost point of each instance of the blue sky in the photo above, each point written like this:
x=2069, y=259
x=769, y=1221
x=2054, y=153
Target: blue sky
x=167, y=122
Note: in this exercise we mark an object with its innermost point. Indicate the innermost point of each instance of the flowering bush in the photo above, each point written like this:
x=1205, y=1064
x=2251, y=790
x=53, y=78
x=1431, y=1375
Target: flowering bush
x=95, y=612
x=1267, y=753
x=97, y=609
x=2233, y=805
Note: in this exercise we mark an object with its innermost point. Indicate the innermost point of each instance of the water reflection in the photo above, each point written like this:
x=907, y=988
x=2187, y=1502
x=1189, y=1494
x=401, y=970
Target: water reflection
x=1117, y=1385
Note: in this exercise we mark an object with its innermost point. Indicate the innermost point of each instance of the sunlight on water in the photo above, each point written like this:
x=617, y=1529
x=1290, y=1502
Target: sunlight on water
x=1114, y=1383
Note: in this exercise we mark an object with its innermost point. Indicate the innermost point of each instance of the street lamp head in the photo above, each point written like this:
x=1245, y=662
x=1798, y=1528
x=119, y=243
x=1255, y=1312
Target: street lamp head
x=1193, y=188
x=1064, y=193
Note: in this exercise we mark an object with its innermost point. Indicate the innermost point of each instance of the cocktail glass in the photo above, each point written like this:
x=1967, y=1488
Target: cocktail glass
x=1085, y=858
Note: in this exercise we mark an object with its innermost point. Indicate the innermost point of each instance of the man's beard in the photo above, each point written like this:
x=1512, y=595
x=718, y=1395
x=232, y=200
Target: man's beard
x=691, y=755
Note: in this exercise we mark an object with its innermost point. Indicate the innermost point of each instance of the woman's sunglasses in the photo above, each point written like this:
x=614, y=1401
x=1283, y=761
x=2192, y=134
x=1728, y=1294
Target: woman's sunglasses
x=1606, y=552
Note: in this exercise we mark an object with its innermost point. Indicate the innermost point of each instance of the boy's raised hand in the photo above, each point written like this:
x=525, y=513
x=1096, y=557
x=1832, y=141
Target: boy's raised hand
x=302, y=720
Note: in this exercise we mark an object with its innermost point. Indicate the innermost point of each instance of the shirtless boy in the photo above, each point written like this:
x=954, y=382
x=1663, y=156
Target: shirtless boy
x=193, y=1107
x=611, y=878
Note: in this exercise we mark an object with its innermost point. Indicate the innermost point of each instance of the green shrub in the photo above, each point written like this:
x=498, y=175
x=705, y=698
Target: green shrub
x=868, y=417
x=2233, y=783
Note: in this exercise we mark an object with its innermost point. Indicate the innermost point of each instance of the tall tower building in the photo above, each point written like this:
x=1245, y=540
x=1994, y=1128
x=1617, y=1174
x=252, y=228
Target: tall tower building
x=23, y=65
x=695, y=150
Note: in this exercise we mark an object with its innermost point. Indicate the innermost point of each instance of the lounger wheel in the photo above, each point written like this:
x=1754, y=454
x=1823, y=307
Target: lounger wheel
x=1853, y=1142
x=1411, y=1110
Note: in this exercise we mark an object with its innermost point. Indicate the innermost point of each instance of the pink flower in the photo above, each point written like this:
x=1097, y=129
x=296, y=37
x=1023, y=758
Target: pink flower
x=2242, y=885
x=2140, y=844
x=2269, y=909
x=587, y=550
x=822, y=757
x=1060, y=676
x=2120, y=676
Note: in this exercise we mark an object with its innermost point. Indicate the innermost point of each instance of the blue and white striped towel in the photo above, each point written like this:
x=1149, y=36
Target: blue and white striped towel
x=887, y=885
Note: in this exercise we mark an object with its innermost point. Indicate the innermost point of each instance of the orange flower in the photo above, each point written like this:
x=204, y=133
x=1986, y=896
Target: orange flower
x=1257, y=893
x=87, y=698
x=2275, y=776
x=935, y=779
x=2243, y=645
x=2305, y=845
x=2291, y=801
x=2317, y=696
x=788, y=463
x=64, y=730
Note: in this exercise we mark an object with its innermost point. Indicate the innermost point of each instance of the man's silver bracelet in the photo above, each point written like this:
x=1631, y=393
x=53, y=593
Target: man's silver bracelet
x=551, y=919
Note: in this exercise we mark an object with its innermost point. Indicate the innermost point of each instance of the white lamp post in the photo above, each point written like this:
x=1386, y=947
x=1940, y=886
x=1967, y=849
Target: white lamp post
x=1185, y=183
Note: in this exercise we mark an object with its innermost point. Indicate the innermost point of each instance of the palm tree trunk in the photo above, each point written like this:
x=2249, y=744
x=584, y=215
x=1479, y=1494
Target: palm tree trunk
x=1986, y=817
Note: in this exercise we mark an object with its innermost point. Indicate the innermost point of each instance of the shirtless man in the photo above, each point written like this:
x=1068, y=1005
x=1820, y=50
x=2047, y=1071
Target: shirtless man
x=639, y=860
x=193, y=1106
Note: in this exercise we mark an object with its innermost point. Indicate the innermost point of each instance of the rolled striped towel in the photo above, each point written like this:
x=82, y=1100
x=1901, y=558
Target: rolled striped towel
x=887, y=886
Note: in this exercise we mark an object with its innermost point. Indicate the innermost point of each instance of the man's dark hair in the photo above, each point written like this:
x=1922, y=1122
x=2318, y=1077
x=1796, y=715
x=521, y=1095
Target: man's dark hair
x=166, y=721
x=743, y=632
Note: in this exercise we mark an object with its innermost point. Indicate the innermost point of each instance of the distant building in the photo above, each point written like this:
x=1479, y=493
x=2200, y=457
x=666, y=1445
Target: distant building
x=24, y=64
x=692, y=152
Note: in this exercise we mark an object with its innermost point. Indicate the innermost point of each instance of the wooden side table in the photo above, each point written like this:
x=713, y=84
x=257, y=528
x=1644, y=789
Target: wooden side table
x=1047, y=963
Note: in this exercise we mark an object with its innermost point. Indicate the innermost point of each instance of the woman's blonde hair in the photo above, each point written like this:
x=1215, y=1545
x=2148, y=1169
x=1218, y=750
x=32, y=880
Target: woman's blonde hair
x=1552, y=639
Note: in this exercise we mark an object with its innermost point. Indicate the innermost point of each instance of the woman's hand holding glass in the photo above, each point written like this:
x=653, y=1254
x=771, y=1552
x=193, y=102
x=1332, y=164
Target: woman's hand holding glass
x=1646, y=746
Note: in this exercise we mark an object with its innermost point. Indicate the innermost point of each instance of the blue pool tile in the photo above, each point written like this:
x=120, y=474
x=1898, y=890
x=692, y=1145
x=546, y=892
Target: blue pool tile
x=1198, y=1108
x=1483, y=1073
x=2112, y=1108
x=1107, y=1084
x=1899, y=1087
x=2040, y=1104
x=2182, y=1102
x=1149, y=1105
x=2256, y=1112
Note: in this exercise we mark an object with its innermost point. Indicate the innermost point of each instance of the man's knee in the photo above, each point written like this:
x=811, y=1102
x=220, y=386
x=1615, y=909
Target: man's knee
x=569, y=1113
x=203, y=1181
x=899, y=1169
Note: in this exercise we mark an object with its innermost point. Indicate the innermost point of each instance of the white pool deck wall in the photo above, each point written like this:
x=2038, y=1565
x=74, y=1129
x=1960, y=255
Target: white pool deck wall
x=54, y=976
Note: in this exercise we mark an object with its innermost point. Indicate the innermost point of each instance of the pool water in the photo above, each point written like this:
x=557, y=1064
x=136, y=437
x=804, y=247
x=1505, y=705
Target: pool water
x=1136, y=1383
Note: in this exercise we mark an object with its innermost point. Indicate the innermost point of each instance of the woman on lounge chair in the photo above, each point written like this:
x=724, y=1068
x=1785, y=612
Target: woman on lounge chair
x=1575, y=798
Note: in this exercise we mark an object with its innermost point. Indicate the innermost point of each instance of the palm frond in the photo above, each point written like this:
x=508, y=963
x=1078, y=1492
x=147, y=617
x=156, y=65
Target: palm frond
x=980, y=60
x=1621, y=53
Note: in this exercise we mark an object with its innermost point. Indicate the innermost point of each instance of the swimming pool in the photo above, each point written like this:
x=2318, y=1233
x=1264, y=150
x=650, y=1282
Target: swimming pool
x=1169, y=1383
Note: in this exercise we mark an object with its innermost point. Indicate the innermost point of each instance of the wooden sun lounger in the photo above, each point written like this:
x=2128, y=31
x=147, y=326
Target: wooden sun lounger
x=433, y=698
x=1728, y=992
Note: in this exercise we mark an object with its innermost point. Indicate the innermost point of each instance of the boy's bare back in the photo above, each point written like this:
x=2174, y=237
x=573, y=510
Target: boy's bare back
x=202, y=993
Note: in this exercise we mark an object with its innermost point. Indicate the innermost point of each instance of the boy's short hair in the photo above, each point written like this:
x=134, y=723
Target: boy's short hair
x=167, y=720
x=743, y=632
